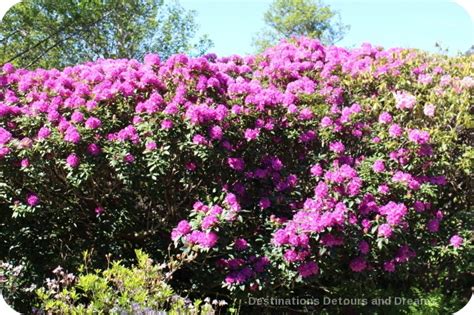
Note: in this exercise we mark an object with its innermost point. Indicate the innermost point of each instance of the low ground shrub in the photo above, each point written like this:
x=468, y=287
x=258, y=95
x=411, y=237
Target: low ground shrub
x=141, y=289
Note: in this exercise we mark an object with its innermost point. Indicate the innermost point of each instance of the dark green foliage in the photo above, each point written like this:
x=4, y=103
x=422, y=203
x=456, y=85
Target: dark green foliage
x=58, y=33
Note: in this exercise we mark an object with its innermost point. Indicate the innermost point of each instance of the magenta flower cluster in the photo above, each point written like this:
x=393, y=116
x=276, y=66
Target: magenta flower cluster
x=298, y=169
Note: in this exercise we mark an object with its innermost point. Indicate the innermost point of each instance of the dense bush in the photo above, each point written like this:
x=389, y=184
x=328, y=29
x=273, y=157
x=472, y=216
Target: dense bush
x=303, y=170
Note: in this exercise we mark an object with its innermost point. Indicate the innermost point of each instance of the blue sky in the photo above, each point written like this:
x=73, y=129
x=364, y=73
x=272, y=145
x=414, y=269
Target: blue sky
x=232, y=24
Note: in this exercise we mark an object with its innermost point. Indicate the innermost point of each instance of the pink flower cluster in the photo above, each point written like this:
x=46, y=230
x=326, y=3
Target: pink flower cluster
x=284, y=149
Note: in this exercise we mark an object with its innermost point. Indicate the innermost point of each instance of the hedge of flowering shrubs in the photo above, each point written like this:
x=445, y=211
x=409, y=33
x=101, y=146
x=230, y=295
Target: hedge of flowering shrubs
x=303, y=170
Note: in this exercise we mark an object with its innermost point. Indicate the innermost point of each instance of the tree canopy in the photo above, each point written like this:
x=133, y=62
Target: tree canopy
x=310, y=18
x=470, y=51
x=57, y=33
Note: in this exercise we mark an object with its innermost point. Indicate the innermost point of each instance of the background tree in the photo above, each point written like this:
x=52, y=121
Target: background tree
x=57, y=33
x=311, y=18
x=470, y=51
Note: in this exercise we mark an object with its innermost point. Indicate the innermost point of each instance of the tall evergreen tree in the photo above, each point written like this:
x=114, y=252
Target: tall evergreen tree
x=311, y=18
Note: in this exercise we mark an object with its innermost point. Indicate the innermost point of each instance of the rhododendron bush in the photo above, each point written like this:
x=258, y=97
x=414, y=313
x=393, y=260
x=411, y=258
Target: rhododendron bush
x=303, y=169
